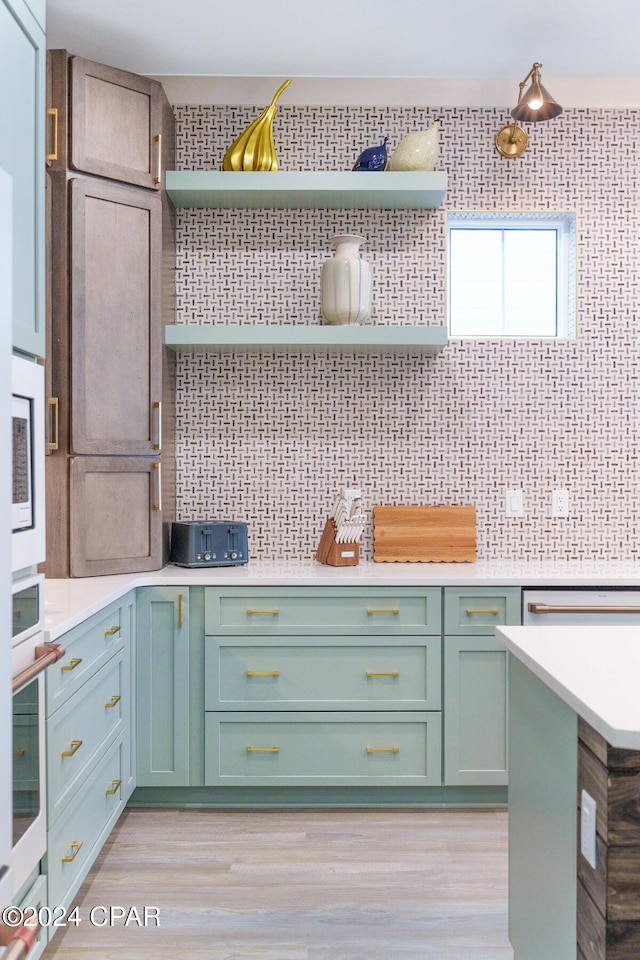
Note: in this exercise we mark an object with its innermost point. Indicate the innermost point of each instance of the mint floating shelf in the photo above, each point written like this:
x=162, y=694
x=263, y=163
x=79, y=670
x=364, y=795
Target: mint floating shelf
x=188, y=338
x=384, y=190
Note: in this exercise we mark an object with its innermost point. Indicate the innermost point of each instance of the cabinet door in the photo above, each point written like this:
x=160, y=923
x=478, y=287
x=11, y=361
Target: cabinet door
x=116, y=348
x=116, y=515
x=115, y=120
x=163, y=687
x=22, y=78
x=475, y=711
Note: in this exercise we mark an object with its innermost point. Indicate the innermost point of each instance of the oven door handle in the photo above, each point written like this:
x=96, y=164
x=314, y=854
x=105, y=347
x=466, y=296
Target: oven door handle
x=20, y=943
x=547, y=608
x=46, y=654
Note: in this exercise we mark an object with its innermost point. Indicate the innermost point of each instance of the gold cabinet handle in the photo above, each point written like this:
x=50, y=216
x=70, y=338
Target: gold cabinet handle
x=54, y=443
x=157, y=506
x=395, y=610
x=179, y=611
x=158, y=176
x=263, y=673
x=75, y=746
x=157, y=428
x=18, y=753
x=383, y=750
x=114, y=700
x=393, y=673
x=270, y=613
x=474, y=613
x=53, y=112
x=263, y=749
x=114, y=788
x=75, y=846
x=112, y=632
x=73, y=663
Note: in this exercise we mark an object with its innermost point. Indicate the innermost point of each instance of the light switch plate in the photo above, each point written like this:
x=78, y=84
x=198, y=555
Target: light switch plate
x=588, y=810
x=514, y=506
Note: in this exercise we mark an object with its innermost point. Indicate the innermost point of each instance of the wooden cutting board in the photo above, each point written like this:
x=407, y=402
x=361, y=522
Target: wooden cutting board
x=424, y=534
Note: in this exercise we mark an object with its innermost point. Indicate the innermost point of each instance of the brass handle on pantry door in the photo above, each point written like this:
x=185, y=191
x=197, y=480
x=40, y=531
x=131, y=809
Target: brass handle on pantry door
x=54, y=444
x=156, y=410
x=53, y=112
x=158, y=468
x=158, y=176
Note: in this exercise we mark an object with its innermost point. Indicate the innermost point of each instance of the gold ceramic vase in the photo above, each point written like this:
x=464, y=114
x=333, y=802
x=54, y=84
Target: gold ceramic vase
x=254, y=149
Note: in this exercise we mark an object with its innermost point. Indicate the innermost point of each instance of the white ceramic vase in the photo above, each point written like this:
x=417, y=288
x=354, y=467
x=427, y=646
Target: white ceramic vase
x=346, y=283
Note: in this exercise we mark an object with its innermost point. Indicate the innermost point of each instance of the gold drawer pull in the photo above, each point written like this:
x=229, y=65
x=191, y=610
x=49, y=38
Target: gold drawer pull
x=75, y=746
x=75, y=846
x=263, y=673
x=73, y=663
x=394, y=673
x=263, y=749
x=395, y=610
x=383, y=750
x=114, y=701
x=115, y=784
x=19, y=753
x=492, y=610
x=179, y=611
x=112, y=632
x=271, y=613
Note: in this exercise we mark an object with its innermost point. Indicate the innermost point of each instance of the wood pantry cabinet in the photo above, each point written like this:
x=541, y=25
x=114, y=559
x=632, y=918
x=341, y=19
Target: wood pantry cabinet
x=110, y=472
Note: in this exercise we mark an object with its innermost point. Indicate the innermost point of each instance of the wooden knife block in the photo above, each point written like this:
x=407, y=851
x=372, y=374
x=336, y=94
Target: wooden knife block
x=336, y=554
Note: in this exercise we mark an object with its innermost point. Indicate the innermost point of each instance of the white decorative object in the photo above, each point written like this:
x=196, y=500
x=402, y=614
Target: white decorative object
x=346, y=283
x=417, y=151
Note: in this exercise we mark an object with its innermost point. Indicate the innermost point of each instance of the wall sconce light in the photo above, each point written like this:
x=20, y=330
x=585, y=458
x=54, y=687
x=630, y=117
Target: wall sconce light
x=535, y=105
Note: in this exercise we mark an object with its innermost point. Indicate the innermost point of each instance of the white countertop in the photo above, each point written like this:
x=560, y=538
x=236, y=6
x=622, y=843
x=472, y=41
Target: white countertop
x=68, y=602
x=594, y=669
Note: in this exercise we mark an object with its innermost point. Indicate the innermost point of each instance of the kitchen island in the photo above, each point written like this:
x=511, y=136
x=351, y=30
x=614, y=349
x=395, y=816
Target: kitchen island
x=574, y=720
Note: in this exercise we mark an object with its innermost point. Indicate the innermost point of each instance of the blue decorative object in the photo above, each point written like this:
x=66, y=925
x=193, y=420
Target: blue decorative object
x=373, y=158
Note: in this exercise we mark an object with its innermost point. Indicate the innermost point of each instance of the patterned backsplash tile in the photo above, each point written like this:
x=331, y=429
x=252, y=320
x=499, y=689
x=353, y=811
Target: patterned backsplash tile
x=271, y=438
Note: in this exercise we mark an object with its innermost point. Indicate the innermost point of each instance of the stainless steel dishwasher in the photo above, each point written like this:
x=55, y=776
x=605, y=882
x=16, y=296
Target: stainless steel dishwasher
x=549, y=607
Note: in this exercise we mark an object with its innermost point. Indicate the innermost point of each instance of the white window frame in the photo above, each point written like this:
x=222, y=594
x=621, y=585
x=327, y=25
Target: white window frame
x=565, y=226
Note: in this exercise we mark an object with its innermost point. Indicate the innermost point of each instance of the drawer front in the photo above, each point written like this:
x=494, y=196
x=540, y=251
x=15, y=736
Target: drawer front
x=323, y=748
x=353, y=610
x=32, y=903
x=478, y=610
x=322, y=673
x=75, y=840
x=97, y=713
x=88, y=647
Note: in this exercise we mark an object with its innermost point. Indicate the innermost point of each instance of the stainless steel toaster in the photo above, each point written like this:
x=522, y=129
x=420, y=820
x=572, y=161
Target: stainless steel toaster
x=220, y=543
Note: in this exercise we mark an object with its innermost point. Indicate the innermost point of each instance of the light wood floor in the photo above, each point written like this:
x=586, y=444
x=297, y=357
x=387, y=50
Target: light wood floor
x=300, y=885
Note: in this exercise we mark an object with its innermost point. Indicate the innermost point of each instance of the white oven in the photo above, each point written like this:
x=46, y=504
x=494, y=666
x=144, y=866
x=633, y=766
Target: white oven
x=27, y=479
x=30, y=656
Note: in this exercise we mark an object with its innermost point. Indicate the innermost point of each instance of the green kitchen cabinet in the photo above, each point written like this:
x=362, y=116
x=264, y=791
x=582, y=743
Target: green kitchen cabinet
x=22, y=156
x=476, y=737
x=163, y=679
x=89, y=744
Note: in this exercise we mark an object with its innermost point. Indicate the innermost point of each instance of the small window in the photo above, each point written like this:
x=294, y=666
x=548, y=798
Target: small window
x=512, y=275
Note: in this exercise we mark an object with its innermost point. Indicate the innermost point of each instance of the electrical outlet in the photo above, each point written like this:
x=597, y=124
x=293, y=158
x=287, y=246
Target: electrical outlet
x=588, y=810
x=514, y=506
x=560, y=503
